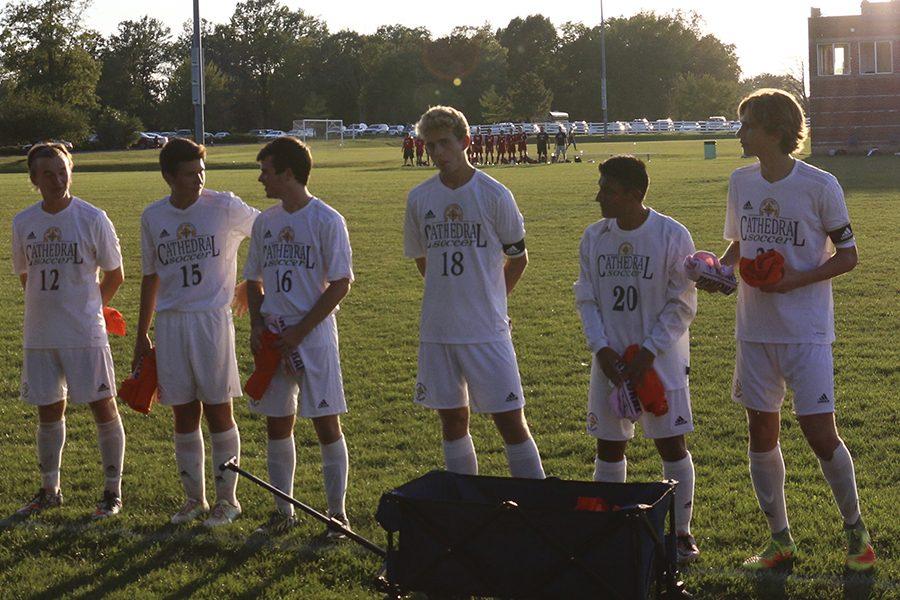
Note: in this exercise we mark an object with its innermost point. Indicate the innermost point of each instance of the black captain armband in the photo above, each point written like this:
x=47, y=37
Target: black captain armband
x=841, y=235
x=514, y=250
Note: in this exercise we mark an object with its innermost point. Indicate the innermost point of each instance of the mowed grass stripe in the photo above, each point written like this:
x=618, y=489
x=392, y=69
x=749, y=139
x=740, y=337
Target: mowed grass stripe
x=391, y=441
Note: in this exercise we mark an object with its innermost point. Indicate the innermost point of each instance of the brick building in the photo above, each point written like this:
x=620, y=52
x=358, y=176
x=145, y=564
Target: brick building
x=854, y=79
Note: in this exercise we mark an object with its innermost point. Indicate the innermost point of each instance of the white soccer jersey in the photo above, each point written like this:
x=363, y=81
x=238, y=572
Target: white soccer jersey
x=462, y=234
x=632, y=289
x=61, y=254
x=194, y=250
x=793, y=216
x=295, y=256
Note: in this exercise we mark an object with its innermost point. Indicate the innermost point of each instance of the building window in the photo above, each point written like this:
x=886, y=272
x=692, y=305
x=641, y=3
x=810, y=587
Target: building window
x=875, y=57
x=834, y=59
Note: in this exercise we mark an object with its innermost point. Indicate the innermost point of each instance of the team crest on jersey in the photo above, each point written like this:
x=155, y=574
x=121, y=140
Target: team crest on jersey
x=453, y=212
x=738, y=388
x=769, y=227
x=592, y=423
x=769, y=208
x=186, y=230
x=421, y=392
x=625, y=249
x=53, y=234
x=286, y=235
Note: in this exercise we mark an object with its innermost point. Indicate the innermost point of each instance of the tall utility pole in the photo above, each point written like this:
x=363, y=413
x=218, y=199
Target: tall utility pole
x=198, y=92
x=603, y=69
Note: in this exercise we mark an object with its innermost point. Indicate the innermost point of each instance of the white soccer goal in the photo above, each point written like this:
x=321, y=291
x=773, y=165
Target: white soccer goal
x=318, y=129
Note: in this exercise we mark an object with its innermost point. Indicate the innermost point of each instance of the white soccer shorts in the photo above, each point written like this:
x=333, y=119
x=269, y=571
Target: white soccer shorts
x=319, y=385
x=604, y=424
x=763, y=371
x=484, y=377
x=195, y=357
x=84, y=374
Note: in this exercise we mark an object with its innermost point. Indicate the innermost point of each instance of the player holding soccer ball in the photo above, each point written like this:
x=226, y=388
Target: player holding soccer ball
x=58, y=247
x=298, y=270
x=790, y=232
x=467, y=236
x=637, y=303
x=189, y=245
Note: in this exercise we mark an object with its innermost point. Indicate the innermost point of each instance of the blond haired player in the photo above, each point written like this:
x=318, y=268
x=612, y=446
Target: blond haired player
x=785, y=330
x=467, y=236
x=298, y=269
x=58, y=247
x=632, y=290
x=189, y=245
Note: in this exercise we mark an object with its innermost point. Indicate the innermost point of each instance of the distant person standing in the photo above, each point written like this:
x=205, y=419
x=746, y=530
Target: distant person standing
x=543, y=140
x=408, y=147
x=523, y=146
x=561, y=144
x=420, y=151
x=571, y=138
x=59, y=246
x=489, y=158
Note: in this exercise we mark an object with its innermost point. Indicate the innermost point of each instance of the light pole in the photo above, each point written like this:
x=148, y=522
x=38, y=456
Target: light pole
x=603, y=69
x=198, y=93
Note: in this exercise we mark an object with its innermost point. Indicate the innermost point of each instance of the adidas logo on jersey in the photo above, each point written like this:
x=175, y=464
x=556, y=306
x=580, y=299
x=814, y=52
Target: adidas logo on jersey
x=429, y=215
x=163, y=234
x=680, y=421
x=323, y=404
x=31, y=236
x=512, y=397
x=823, y=399
x=748, y=206
x=268, y=234
x=103, y=388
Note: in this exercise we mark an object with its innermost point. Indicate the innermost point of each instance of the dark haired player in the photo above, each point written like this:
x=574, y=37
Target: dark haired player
x=189, y=246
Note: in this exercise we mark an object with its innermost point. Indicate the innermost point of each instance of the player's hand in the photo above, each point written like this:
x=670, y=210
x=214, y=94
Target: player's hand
x=239, y=303
x=608, y=359
x=256, y=332
x=142, y=346
x=289, y=339
x=642, y=361
x=791, y=280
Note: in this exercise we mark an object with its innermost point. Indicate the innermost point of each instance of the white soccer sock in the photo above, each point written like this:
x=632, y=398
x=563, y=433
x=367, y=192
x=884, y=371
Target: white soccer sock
x=50, y=440
x=190, y=458
x=767, y=474
x=111, y=438
x=841, y=477
x=525, y=460
x=335, y=467
x=459, y=456
x=281, y=458
x=226, y=444
x=683, y=472
x=611, y=472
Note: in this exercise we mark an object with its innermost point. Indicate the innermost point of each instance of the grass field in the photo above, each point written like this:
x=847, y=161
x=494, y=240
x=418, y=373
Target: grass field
x=138, y=555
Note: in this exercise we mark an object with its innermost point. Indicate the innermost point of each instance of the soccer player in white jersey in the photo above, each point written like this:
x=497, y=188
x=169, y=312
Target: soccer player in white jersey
x=189, y=245
x=298, y=269
x=785, y=330
x=467, y=236
x=58, y=246
x=632, y=290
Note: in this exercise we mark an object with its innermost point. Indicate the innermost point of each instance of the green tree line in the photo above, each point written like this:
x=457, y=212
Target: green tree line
x=269, y=65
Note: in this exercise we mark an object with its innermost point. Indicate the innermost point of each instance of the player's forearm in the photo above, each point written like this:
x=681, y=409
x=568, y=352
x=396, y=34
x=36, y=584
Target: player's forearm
x=24, y=279
x=324, y=306
x=674, y=320
x=589, y=312
x=149, y=288
x=842, y=261
x=421, y=265
x=255, y=297
x=513, y=270
x=110, y=283
x=732, y=255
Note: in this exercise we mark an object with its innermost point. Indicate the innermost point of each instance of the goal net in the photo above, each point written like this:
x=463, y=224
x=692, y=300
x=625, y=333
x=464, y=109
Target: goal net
x=319, y=129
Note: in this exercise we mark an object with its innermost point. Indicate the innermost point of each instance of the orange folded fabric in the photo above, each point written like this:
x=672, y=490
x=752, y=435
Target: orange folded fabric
x=650, y=390
x=139, y=389
x=265, y=364
x=766, y=269
x=115, y=322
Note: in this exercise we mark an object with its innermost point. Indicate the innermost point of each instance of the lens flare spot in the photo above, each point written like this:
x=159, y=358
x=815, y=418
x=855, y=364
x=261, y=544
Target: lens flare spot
x=457, y=82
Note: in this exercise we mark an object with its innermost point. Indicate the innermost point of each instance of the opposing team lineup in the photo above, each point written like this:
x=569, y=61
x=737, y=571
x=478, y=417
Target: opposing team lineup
x=788, y=232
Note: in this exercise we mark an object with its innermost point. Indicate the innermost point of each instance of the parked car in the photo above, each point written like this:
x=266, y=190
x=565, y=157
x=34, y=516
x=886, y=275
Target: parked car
x=221, y=135
x=690, y=126
x=580, y=127
x=184, y=133
x=640, y=126
x=271, y=134
x=148, y=140
x=664, y=125
x=396, y=130
x=377, y=129
x=302, y=133
x=716, y=123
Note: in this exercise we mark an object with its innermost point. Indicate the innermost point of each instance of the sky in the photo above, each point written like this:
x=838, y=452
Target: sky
x=768, y=35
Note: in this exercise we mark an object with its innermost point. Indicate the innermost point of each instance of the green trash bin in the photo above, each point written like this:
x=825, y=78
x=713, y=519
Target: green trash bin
x=709, y=149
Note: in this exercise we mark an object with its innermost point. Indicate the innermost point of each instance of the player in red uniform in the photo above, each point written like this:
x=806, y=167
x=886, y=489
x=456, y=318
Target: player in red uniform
x=408, y=146
x=501, y=149
x=420, y=149
x=489, y=149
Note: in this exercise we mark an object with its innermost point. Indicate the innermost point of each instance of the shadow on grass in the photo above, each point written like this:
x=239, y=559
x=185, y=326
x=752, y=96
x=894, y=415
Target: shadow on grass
x=771, y=584
x=858, y=586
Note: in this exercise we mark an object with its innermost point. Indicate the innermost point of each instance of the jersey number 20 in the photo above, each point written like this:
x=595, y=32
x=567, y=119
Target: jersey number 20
x=626, y=298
